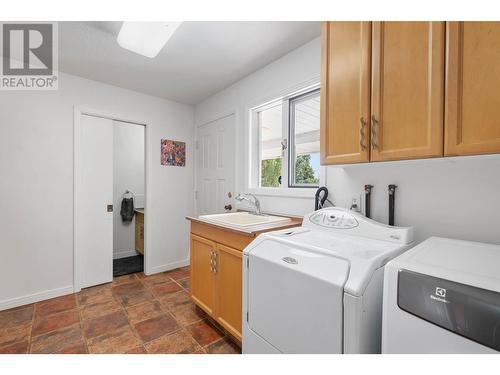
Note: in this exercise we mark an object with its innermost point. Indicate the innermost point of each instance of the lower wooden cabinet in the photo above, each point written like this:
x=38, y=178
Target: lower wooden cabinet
x=202, y=286
x=229, y=289
x=139, y=232
x=216, y=282
x=217, y=271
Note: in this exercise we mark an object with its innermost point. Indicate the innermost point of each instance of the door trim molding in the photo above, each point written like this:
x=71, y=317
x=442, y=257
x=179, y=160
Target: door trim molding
x=78, y=111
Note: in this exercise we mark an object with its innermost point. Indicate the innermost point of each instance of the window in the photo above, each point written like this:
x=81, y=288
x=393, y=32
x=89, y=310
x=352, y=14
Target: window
x=287, y=149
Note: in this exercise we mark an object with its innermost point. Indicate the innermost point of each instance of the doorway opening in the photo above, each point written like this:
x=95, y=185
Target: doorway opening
x=110, y=221
x=128, y=198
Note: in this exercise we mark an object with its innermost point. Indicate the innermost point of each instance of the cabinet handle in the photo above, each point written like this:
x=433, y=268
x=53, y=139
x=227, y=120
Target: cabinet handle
x=374, y=132
x=215, y=262
x=362, y=133
x=211, y=261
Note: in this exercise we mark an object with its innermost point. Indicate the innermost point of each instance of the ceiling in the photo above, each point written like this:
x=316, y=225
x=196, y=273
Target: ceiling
x=199, y=60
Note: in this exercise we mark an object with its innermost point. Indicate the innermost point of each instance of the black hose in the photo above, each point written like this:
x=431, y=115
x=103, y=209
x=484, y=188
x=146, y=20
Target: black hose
x=368, y=200
x=392, y=194
x=322, y=200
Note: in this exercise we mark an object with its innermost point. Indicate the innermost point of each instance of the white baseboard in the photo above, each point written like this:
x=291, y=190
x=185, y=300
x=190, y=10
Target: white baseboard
x=124, y=254
x=170, y=266
x=35, y=297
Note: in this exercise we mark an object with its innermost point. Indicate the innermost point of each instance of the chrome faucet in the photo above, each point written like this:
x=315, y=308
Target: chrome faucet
x=254, y=202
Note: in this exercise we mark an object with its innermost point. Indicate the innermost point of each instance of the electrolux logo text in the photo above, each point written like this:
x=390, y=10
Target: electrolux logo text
x=440, y=295
x=29, y=56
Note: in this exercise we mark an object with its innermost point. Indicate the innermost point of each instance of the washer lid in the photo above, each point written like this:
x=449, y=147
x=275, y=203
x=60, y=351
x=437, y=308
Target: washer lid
x=295, y=298
x=364, y=255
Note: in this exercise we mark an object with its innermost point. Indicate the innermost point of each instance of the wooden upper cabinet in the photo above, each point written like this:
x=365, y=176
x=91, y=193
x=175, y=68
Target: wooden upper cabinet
x=407, y=90
x=472, y=119
x=345, y=92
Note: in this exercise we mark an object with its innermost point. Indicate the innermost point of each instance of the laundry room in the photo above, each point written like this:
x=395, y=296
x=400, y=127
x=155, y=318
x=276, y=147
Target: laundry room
x=186, y=183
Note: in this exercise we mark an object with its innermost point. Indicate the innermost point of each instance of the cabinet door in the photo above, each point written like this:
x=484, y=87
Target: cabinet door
x=345, y=92
x=472, y=122
x=139, y=233
x=229, y=289
x=202, y=288
x=407, y=90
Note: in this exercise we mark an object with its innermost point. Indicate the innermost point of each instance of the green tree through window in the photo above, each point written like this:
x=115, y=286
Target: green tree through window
x=271, y=171
x=304, y=172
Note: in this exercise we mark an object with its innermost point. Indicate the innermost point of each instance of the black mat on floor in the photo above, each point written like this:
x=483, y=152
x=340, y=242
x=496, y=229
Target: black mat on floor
x=125, y=266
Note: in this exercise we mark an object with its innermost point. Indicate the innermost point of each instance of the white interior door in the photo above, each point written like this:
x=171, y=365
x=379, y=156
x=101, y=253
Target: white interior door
x=95, y=193
x=215, y=166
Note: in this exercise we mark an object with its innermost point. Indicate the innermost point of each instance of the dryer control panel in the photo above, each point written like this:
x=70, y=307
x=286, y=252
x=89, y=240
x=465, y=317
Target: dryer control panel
x=332, y=219
x=356, y=224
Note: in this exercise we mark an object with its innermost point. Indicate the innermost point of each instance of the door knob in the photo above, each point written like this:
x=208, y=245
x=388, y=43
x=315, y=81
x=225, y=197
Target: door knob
x=228, y=207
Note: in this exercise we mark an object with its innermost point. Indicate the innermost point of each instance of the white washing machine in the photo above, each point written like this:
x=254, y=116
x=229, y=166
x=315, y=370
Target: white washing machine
x=443, y=296
x=318, y=288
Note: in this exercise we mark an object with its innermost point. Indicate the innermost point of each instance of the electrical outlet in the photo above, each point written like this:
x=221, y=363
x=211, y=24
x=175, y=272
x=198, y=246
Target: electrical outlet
x=356, y=203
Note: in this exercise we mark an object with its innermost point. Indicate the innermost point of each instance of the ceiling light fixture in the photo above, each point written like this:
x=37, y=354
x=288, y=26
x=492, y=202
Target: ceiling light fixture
x=146, y=38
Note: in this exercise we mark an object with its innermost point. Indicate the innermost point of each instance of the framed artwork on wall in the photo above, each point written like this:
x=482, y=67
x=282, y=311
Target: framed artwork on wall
x=173, y=153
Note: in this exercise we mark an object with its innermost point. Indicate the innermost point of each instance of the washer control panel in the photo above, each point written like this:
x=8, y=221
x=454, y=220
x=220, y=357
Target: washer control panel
x=332, y=219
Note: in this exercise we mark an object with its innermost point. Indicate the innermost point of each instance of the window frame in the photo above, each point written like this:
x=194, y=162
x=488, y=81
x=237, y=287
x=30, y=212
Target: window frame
x=255, y=177
x=291, y=139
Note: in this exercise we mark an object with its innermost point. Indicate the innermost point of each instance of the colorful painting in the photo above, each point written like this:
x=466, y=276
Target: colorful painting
x=173, y=153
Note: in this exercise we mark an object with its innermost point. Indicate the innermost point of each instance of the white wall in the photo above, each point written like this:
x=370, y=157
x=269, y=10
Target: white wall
x=287, y=74
x=36, y=183
x=128, y=174
x=449, y=197
x=454, y=197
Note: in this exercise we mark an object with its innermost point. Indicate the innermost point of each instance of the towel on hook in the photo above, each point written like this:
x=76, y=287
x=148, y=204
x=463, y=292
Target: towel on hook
x=127, y=210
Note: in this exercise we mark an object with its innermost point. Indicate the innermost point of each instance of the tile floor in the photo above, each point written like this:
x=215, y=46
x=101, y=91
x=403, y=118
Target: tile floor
x=133, y=314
